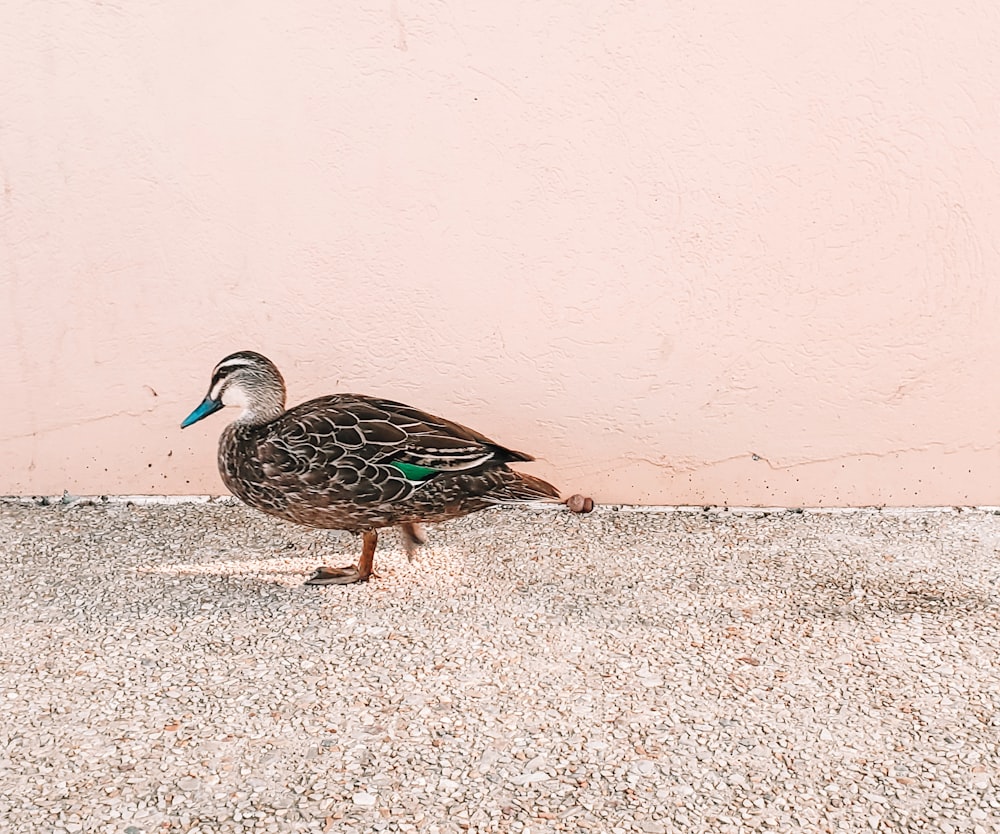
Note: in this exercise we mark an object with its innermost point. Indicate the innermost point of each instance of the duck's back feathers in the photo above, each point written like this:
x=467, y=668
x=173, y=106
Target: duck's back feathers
x=429, y=440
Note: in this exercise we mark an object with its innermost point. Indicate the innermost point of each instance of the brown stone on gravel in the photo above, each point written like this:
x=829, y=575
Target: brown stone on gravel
x=580, y=503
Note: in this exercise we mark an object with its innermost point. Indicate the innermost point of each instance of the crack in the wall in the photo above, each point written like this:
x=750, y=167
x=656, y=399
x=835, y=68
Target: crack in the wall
x=74, y=424
x=680, y=466
x=502, y=84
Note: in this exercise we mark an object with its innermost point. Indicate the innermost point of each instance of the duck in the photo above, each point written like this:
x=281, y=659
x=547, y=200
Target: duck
x=354, y=462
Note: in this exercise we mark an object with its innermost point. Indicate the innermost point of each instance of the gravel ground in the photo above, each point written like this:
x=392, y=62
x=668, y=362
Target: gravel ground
x=164, y=669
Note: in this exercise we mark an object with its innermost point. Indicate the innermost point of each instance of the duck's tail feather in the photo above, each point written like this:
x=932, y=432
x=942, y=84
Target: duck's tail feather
x=517, y=486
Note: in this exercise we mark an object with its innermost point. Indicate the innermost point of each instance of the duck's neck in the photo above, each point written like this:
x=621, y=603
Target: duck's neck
x=262, y=406
x=257, y=415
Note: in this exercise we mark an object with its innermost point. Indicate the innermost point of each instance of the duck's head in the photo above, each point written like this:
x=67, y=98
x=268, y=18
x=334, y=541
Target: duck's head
x=248, y=380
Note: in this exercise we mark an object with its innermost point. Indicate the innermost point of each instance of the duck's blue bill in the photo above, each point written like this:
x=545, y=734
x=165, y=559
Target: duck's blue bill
x=208, y=406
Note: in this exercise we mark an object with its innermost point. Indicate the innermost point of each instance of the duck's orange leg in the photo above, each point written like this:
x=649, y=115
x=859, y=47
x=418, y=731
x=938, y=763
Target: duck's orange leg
x=346, y=576
x=413, y=537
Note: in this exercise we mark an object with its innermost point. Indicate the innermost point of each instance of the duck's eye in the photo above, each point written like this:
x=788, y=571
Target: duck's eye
x=220, y=381
x=230, y=365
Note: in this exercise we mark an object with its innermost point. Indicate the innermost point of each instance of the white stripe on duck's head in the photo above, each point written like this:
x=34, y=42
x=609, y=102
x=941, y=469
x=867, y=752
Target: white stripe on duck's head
x=248, y=380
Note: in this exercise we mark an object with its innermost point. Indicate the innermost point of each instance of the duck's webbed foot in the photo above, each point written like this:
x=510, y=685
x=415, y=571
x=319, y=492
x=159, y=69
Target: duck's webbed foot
x=335, y=576
x=413, y=536
x=346, y=576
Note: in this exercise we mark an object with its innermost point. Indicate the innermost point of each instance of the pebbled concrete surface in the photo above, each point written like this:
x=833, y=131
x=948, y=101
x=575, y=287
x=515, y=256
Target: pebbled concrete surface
x=165, y=670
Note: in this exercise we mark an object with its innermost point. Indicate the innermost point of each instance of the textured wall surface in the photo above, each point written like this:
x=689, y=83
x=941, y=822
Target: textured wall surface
x=685, y=254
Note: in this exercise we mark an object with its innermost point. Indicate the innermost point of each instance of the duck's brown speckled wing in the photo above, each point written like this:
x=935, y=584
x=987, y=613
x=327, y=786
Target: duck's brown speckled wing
x=429, y=440
x=335, y=462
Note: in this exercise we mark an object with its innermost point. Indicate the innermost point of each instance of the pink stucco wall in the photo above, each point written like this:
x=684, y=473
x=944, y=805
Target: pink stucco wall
x=740, y=253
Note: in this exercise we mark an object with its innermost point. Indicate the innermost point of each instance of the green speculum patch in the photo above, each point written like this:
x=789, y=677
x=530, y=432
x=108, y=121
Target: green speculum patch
x=413, y=472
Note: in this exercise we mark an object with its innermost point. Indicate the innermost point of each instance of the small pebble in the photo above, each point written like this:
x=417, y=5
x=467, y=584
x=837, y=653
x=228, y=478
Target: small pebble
x=580, y=503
